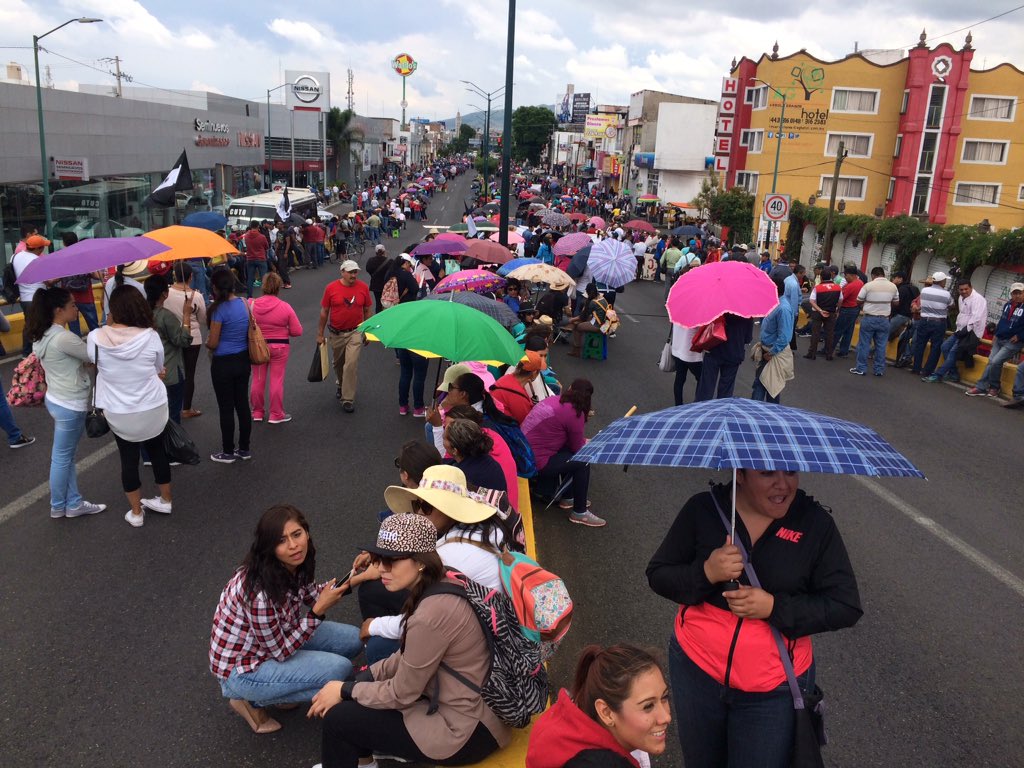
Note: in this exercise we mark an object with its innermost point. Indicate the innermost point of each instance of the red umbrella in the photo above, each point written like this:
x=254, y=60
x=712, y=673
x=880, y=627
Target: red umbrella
x=639, y=224
x=598, y=222
x=451, y=236
x=577, y=216
x=708, y=292
x=489, y=252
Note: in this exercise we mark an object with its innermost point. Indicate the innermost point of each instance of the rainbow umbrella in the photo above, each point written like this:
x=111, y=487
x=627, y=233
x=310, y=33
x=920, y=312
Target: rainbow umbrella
x=472, y=280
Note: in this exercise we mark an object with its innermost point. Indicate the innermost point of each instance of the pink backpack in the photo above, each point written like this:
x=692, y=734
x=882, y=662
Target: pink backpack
x=28, y=383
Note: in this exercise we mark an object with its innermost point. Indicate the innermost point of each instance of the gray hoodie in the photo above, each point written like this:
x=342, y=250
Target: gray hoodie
x=63, y=356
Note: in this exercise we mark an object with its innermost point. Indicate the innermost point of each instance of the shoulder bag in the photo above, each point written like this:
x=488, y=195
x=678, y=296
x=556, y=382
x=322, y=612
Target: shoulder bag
x=667, y=364
x=95, y=422
x=259, y=352
x=809, y=720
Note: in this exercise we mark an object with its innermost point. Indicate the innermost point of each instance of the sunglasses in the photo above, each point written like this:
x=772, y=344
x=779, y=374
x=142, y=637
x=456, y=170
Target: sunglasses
x=385, y=563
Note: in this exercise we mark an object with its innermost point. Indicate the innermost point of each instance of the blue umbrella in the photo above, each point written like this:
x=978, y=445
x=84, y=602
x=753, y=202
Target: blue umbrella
x=686, y=230
x=734, y=433
x=515, y=264
x=210, y=220
x=578, y=265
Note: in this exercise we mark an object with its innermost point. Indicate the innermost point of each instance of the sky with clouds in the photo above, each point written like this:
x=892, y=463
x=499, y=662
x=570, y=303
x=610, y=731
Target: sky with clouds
x=243, y=49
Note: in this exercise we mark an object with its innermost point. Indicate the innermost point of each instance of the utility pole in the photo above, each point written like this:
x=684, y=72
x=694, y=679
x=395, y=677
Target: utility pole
x=116, y=61
x=840, y=156
x=350, y=95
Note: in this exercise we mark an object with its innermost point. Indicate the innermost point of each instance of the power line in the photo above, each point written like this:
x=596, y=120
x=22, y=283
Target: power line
x=969, y=26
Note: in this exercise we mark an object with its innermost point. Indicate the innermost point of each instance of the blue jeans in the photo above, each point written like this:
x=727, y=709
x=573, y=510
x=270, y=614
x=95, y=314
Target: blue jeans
x=254, y=270
x=928, y=331
x=92, y=321
x=1002, y=351
x=7, y=419
x=200, y=277
x=68, y=426
x=873, y=331
x=1018, y=382
x=325, y=657
x=760, y=393
x=844, y=329
x=379, y=648
x=414, y=372
x=721, y=726
x=949, y=347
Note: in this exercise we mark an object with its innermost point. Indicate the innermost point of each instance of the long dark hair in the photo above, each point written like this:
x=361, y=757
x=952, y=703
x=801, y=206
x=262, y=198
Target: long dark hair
x=46, y=303
x=263, y=571
x=578, y=395
x=475, y=391
x=433, y=572
x=222, y=285
x=156, y=288
x=608, y=674
x=127, y=307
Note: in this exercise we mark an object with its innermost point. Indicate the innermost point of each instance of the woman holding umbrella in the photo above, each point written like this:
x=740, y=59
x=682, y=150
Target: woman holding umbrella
x=733, y=704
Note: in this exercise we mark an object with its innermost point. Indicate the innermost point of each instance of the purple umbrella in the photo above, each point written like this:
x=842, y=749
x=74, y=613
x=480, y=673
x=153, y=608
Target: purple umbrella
x=89, y=256
x=444, y=246
x=570, y=244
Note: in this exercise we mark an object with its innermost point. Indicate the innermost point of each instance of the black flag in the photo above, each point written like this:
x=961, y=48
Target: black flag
x=179, y=179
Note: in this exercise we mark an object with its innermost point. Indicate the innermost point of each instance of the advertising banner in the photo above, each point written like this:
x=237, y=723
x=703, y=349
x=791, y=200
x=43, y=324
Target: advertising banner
x=600, y=126
x=580, y=107
x=308, y=91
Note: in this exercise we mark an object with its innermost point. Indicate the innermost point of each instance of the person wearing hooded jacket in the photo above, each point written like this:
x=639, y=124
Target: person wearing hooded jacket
x=616, y=717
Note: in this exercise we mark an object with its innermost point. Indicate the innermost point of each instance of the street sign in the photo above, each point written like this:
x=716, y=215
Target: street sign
x=776, y=207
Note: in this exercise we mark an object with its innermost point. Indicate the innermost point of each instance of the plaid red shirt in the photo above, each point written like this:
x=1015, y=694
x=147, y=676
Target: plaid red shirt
x=247, y=633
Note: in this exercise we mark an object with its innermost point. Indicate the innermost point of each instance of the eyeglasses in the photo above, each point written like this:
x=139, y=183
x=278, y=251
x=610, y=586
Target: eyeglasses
x=385, y=563
x=453, y=388
x=398, y=464
x=421, y=507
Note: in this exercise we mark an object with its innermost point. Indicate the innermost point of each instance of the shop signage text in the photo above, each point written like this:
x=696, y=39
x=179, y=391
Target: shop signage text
x=212, y=141
x=208, y=126
x=71, y=168
x=249, y=139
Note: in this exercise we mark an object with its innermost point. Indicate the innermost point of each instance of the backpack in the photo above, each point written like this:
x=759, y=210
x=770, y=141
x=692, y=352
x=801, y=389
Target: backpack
x=10, y=287
x=522, y=451
x=28, y=383
x=607, y=317
x=540, y=599
x=389, y=295
x=516, y=685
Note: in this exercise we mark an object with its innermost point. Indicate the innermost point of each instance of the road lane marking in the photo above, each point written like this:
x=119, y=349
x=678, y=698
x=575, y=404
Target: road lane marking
x=985, y=563
x=42, y=490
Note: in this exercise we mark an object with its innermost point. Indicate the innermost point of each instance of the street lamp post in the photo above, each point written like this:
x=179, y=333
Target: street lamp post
x=506, y=154
x=270, y=153
x=42, y=129
x=778, y=148
x=485, y=145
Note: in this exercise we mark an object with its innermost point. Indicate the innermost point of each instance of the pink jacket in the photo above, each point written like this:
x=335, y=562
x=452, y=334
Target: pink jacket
x=275, y=318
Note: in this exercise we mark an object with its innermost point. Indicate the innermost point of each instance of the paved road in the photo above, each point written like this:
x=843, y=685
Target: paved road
x=105, y=627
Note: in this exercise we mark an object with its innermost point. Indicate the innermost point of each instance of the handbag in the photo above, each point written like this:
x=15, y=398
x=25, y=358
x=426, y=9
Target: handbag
x=178, y=445
x=95, y=422
x=709, y=336
x=809, y=716
x=667, y=364
x=319, y=366
x=259, y=352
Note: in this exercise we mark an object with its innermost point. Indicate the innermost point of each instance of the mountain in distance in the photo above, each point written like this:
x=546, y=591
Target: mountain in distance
x=476, y=120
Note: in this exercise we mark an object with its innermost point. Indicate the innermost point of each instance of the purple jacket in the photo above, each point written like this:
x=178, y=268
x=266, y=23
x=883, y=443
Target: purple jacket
x=553, y=426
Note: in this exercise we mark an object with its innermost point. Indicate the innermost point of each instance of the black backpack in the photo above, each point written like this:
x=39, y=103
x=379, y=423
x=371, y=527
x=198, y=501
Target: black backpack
x=10, y=288
x=516, y=686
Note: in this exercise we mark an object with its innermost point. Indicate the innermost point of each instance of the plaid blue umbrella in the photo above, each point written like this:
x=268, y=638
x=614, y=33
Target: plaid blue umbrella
x=736, y=433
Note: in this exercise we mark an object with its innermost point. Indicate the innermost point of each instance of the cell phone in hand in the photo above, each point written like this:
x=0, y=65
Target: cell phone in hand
x=343, y=580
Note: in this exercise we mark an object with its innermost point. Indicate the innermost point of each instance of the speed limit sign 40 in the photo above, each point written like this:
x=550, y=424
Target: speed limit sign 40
x=776, y=207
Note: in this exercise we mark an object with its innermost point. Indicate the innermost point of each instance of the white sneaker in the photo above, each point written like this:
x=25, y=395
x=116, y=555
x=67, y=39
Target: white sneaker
x=157, y=504
x=135, y=521
x=86, y=508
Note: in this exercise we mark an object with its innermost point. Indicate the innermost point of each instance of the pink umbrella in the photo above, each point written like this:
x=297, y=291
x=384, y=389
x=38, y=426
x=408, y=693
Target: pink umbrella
x=514, y=238
x=570, y=244
x=450, y=236
x=708, y=292
x=598, y=222
x=640, y=225
x=474, y=280
x=489, y=252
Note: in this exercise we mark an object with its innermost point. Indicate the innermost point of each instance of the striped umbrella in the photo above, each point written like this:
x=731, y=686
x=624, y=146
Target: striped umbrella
x=497, y=310
x=612, y=262
x=571, y=243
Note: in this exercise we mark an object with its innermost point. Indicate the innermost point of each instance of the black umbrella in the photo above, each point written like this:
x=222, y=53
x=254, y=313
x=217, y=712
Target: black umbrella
x=686, y=230
x=578, y=265
x=498, y=310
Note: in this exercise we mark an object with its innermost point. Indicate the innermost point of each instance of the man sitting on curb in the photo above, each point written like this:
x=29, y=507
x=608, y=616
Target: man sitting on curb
x=1009, y=339
x=970, y=319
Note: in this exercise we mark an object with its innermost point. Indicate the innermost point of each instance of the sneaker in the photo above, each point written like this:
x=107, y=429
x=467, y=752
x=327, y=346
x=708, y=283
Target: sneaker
x=147, y=463
x=347, y=406
x=933, y=379
x=419, y=413
x=86, y=508
x=403, y=410
x=56, y=514
x=879, y=374
x=224, y=458
x=975, y=392
x=803, y=334
x=22, y=441
x=856, y=372
x=135, y=521
x=283, y=420
x=258, y=417
x=588, y=519
x=157, y=504
x=243, y=455
x=993, y=392
x=1015, y=403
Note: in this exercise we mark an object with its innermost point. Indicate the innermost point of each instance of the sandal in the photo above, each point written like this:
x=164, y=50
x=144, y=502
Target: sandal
x=258, y=719
x=191, y=413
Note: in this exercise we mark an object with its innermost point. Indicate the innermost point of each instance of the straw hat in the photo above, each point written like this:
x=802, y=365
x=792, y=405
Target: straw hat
x=444, y=488
x=136, y=269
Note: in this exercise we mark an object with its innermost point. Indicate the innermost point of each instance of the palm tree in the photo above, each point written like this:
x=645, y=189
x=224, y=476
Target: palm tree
x=345, y=137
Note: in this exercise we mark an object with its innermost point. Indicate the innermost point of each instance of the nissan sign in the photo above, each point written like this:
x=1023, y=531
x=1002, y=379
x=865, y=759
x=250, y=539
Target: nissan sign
x=309, y=91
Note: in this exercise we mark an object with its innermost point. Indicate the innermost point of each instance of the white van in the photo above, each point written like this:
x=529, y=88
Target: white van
x=264, y=207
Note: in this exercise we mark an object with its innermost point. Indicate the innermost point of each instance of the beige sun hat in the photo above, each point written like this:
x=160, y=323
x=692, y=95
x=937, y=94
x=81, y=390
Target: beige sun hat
x=444, y=488
x=137, y=269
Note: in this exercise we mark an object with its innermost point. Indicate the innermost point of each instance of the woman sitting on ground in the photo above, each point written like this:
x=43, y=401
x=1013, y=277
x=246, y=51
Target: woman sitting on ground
x=555, y=431
x=469, y=449
x=266, y=647
x=390, y=712
x=538, y=339
x=616, y=716
x=510, y=390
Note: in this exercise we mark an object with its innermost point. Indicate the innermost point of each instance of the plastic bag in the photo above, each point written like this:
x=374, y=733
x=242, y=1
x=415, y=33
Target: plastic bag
x=178, y=445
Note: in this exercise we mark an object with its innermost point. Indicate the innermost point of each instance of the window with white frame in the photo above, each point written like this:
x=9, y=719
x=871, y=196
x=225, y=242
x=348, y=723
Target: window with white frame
x=980, y=151
x=753, y=140
x=905, y=102
x=653, y=177
x=972, y=193
x=757, y=98
x=854, y=100
x=991, y=108
x=891, y=193
x=855, y=144
x=747, y=180
x=848, y=188
x=899, y=145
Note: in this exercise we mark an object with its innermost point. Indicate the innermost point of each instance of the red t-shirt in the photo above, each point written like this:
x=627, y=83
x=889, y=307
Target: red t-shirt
x=313, y=234
x=255, y=245
x=850, y=292
x=346, y=304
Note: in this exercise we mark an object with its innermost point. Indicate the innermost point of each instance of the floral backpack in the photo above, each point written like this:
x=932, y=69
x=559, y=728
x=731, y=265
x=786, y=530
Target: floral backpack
x=28, y=384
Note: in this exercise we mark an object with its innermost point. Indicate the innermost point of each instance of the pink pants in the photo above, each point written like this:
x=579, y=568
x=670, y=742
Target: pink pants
x=278, y=363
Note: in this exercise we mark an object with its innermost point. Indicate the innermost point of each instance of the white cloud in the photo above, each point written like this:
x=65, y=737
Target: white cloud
x=199, y=85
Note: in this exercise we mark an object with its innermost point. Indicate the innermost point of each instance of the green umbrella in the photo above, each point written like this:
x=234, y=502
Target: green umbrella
x=443, y=329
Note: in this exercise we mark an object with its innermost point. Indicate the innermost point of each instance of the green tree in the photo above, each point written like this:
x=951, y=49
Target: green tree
x=347, y=140
x=734, y=209
x=709, y=189
x=531, y=132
